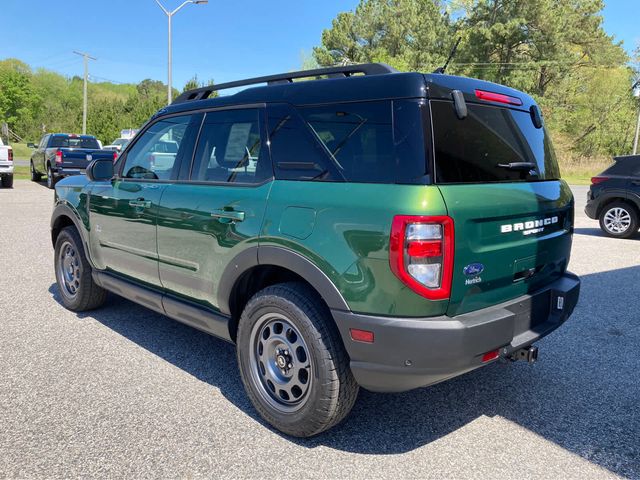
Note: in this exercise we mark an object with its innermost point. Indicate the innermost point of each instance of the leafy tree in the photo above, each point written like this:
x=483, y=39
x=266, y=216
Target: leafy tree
x=407, y=34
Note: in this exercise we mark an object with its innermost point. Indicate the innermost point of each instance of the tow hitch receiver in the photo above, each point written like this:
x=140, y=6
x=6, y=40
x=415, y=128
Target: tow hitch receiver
x=528, y=354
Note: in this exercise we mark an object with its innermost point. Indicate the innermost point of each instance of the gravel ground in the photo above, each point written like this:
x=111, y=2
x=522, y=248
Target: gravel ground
x=124, y=392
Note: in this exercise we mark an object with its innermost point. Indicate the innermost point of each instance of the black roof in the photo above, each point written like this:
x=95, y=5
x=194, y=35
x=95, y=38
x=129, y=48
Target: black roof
x=381, y=82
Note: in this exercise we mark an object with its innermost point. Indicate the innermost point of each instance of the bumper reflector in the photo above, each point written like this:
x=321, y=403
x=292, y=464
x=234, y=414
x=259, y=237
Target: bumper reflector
x=487, y=357
x=361, y=335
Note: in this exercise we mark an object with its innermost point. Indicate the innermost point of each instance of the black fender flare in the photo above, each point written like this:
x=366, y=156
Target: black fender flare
x=281, y=257
x=64, y=210
x=608, y=196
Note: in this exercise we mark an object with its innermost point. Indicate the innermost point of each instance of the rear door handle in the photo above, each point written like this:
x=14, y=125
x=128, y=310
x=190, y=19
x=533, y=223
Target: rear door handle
x=140, y=203
x=232, y=215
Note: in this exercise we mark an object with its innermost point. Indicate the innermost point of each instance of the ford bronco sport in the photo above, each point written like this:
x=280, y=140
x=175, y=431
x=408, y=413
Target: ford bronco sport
x=365, y=228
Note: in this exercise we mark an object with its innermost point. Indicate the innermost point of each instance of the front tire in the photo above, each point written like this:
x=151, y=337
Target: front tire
x=35, y=176
x=619, y=220
x=7, y=181
x=73, y=274
x=293, y=364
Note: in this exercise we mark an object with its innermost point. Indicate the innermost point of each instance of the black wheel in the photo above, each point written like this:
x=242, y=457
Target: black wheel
x=7, y=181
x=73, y=274
x=51, y=178
x=35, y=176
x=619, y=219
x=292, y=361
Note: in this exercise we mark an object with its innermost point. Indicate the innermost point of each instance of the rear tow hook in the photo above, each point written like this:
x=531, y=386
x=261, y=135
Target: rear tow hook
x=527, y=354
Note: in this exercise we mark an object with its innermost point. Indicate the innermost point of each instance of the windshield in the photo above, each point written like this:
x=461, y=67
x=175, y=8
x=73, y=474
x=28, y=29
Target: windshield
x=74, y=142
x=492, y=144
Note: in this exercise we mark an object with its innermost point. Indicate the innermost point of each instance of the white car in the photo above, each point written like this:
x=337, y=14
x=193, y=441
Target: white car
x=118, y=144
x=6, y=165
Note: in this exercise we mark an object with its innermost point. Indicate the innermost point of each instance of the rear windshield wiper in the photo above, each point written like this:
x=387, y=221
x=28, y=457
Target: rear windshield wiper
x=518, y=165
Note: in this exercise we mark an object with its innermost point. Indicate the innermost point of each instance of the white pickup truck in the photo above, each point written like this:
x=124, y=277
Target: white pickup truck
x=6, y=165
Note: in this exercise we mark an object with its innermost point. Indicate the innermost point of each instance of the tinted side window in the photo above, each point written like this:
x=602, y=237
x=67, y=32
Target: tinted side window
x=296, y=153
x=154, y=154
x=480, y=147
x=230, y=149
x=358, y=137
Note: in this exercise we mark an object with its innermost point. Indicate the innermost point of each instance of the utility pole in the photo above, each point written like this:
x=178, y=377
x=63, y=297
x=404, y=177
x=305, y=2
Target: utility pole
x=86, y=58
x=635, y=140
x=170, y=15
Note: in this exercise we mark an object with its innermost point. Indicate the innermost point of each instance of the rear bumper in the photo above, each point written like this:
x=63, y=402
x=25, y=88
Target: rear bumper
x=6, y=168
x=67, y=172
x=591, y=209
x=414, y=352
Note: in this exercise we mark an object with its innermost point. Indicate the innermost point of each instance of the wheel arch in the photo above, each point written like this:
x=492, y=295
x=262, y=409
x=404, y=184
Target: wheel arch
x=260, y=267
x=629, y=200
x=64, y=216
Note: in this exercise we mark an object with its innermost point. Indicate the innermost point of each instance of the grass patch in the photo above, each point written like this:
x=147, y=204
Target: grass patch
x=21, y=173
x=21, y=151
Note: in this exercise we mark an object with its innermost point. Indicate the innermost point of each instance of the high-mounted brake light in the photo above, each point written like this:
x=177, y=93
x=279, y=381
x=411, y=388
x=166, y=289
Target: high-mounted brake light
x=421, y=254
x=498, y=97
x=597, y=180
x=59, y=156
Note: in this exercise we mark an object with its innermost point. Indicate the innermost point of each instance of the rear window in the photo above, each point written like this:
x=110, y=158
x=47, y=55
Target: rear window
x=488, y=145
x=74, y=142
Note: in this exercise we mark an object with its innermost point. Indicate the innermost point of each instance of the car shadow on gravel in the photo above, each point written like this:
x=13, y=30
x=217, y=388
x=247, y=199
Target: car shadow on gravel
x=596, y=232
x=582, y=394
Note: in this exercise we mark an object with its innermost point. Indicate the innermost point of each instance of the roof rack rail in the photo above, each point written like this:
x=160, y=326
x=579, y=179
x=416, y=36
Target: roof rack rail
x=281, y=78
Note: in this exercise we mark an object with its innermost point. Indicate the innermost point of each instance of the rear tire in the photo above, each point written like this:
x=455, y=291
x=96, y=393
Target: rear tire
x=35, y=176
x=73, y=274
x=293, y=364
x=7, y=181
x=51, y=179
x=619, y=220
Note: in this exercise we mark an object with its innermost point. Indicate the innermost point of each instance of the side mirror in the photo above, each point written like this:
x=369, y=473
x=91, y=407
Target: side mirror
x=100, y=170
x=31, y=145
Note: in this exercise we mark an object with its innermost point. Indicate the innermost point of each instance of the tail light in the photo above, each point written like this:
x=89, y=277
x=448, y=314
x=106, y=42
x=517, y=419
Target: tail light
x=597, y=180
x=421, y=254
x=115, y=156
x=11, y=155
x=59, y=156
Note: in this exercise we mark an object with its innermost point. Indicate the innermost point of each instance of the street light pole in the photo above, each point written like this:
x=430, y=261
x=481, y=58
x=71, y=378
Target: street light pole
x=170, y=60
x=636, y=93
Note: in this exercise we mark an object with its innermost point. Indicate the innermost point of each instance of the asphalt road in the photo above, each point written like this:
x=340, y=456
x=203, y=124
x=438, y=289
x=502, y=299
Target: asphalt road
x=124, y=392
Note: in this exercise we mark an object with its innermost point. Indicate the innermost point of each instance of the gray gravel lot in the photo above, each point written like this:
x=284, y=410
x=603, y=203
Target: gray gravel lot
x=124, y=392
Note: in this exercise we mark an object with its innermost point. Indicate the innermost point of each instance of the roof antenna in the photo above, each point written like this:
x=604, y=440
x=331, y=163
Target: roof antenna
x=446, y=64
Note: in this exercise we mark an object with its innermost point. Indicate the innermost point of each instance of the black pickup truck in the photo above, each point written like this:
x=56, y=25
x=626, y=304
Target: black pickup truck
x=62, y=154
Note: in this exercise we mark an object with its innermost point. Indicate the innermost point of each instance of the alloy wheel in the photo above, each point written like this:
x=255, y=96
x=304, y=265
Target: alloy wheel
x=617, y=220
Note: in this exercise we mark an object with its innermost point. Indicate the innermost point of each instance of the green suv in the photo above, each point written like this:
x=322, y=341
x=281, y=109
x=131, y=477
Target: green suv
x=364, y=228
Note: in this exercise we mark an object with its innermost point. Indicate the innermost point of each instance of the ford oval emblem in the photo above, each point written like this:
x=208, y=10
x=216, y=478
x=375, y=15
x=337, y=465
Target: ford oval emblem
x=473, y=269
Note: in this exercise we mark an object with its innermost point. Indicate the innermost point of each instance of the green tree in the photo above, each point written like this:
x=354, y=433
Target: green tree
x=407, y=34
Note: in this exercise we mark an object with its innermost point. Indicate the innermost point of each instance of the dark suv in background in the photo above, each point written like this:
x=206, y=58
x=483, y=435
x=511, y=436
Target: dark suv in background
x=374, y=228
x=614, y=197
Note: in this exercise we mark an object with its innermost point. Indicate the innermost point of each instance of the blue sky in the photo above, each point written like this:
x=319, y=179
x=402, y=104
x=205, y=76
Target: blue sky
x=224, y=40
